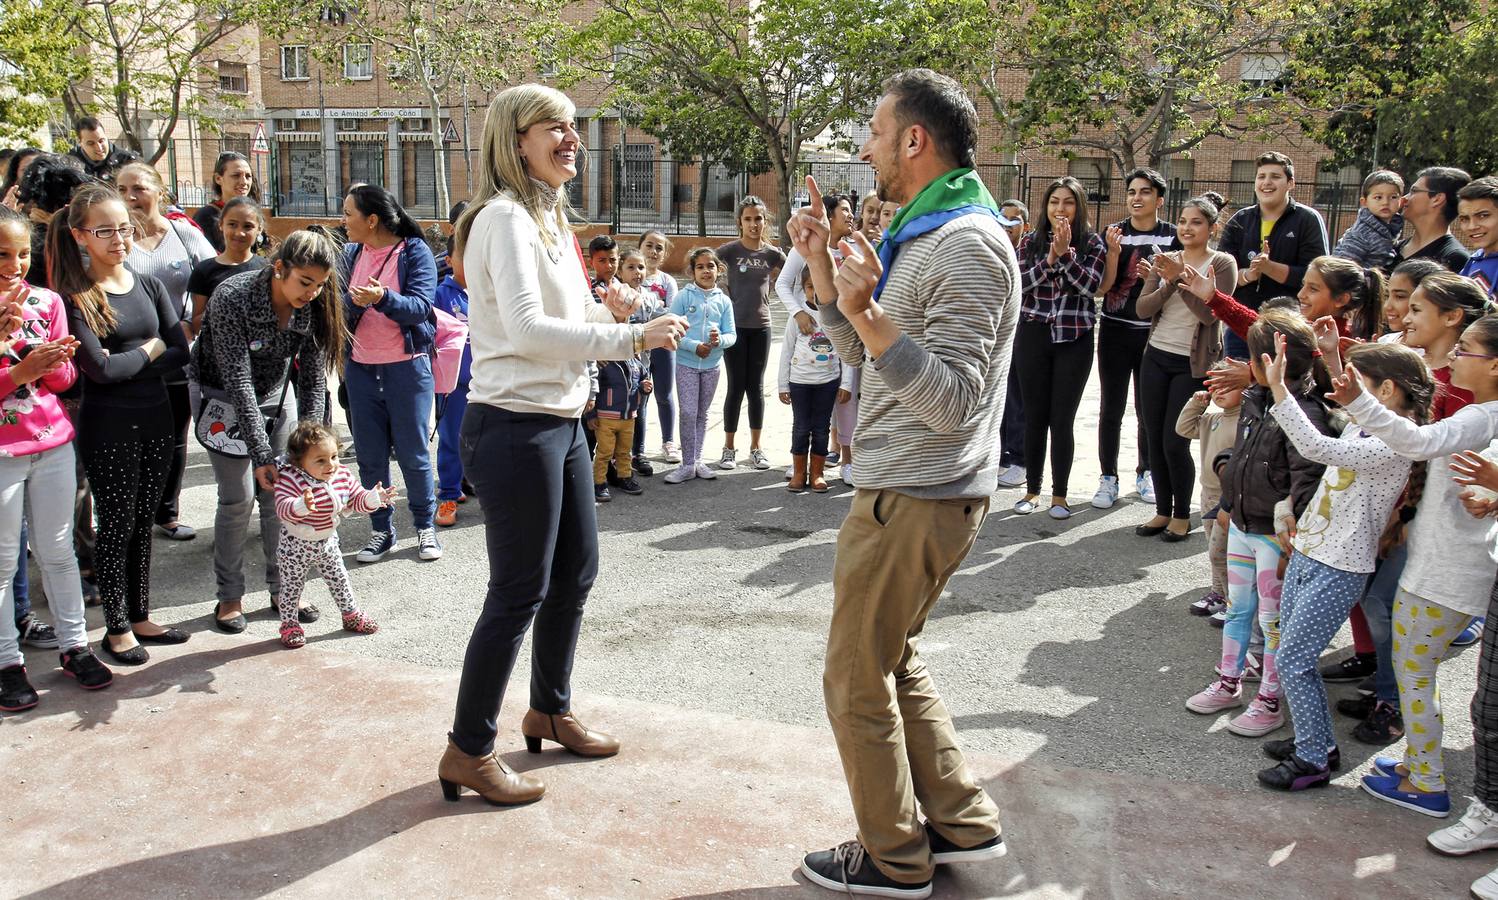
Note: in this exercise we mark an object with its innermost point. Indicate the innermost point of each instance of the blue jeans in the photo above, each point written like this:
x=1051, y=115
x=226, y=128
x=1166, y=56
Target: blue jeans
x=449, y=427
x=811, y=416
x=21, y=584
x=1378, y=608
x=391, y=405
x=663, y=374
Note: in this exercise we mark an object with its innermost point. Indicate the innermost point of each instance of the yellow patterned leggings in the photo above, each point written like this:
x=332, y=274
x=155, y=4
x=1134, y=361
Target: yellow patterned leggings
x=1423, y=632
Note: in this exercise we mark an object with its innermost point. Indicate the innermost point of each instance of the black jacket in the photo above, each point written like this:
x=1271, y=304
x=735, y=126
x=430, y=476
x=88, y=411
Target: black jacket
x=106, y=169
x=1298, y=236
x=1264, y=467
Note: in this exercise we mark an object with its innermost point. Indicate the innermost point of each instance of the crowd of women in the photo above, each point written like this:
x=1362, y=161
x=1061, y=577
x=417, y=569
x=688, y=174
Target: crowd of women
x=1326, y=389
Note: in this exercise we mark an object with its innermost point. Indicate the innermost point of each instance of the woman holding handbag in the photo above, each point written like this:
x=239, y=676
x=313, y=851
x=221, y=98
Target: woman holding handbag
x=257, y=324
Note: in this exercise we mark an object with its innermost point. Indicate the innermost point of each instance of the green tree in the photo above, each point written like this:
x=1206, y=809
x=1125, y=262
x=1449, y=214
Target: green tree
x=40, y=55
x=785, y=69
x=1139, y=81
x=438, y=46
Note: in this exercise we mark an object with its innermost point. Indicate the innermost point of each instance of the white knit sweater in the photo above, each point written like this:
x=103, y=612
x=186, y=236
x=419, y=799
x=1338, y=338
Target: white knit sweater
x=532, y=319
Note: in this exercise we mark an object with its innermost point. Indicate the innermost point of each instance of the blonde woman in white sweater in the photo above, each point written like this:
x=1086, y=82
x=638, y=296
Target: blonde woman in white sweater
x=534, y=325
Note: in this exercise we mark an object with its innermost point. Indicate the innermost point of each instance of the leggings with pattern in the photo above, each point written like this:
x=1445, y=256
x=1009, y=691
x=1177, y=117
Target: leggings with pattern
x=1313, y=606
x=1423, y=632
x=1253, y=588
x=295, y=557
x=694, y=399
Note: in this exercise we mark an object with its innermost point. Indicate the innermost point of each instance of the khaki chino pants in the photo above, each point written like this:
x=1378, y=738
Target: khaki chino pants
x=895, y=554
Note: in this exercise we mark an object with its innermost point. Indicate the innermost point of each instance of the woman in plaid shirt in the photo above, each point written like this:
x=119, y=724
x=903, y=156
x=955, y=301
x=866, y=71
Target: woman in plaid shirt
x=1061, y=266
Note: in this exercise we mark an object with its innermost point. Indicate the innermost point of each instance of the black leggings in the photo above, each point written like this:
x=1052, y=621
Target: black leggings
x=745, y=362
x=1166, y=382
x=1120, y=349
x=176, y=394
x=1052, y=378
x=127, y=452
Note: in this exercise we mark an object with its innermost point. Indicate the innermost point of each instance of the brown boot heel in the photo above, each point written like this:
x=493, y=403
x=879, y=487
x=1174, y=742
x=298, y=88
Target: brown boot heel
x=487, y=776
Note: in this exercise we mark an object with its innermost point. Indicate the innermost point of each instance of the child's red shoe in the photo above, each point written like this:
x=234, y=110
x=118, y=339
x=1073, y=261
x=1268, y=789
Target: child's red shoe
x=292, y=637
x=359, y=623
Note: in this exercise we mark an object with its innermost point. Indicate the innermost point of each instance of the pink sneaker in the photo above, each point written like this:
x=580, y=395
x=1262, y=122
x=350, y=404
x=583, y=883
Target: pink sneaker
x=1217, y=697
x=1258, y=720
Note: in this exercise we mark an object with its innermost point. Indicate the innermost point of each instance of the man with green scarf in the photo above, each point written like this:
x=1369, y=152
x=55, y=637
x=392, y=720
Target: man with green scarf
x=930, y=318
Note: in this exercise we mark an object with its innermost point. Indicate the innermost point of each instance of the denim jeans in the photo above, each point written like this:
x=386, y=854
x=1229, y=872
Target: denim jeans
x=532, y=475
x=449, y=430
x=391, y=407
x=1378, y=608
x=41, y=478
x=237, y=495
x=20, y=586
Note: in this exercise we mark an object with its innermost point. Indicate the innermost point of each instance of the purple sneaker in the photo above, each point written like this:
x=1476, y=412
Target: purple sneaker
x=1210, y=603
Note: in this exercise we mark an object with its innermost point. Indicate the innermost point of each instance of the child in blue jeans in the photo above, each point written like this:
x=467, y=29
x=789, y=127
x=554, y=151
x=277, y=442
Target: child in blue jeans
x=452, y=298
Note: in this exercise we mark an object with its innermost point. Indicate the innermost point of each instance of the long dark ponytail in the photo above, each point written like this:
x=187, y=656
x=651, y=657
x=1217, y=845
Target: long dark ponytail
x=372, y=200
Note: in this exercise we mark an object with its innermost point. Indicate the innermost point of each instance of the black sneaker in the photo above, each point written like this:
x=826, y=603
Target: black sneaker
x=1279, y=751
x=16, y=693
x=1357, y=707
x=601, y=493
x=38, y=634
x=1353, y=668
x=1383, y=726
x=848, y=869
x=380, y=543
x=944, y=851
x=630, y=486
x=82, y=665
x=1294, y=774
x=643, y=466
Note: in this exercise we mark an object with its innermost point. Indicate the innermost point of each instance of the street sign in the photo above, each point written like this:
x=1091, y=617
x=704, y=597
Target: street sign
x=258, y=144
x=449, y=133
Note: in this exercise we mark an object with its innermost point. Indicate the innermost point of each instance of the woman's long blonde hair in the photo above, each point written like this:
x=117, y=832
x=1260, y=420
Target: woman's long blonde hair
x=502, y=169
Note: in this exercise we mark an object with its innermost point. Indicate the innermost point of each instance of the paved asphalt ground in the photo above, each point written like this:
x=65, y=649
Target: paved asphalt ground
x=1063, y=643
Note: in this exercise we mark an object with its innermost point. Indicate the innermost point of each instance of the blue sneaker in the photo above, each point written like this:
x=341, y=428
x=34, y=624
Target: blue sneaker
x=1386, y=788
x=1387, y=766
x=1470, y=635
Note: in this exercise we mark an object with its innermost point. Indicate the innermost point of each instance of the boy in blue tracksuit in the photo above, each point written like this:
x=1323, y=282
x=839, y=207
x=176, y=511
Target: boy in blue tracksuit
x=451, y=297
x=622, y=383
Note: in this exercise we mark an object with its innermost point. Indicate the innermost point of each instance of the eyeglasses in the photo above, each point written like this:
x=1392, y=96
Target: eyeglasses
x=104, y=234
x=1458, y=353
x=1413, y=191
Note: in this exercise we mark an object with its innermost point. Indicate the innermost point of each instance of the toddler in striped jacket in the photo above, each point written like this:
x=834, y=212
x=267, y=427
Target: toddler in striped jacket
x=312, y=491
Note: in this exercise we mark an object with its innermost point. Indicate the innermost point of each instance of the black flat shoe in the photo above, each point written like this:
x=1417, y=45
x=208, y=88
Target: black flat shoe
x=1149, y=530
x=1171, y=537
x=306, y=615
x=135, y=656
x=230, y=626
x=170, y=636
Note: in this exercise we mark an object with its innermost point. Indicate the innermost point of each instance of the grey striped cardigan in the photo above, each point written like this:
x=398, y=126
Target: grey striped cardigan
x=930, y=406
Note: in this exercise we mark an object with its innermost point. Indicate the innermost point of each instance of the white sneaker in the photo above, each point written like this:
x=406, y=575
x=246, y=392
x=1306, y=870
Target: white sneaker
x=727, y=463
x=426, y=540
x=846, y=474
x=670, y=452
x=1012, y=476
x=757, y=456
x=680, y=474
x=1486, y=887
x=790, y=472
x=1477, y=830
x=1107, y=492
x=1145, y=485
x=706, y=471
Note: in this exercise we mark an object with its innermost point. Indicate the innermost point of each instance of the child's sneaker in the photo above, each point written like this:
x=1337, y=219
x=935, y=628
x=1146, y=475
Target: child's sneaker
x=1145, y=485
x=680, y=474
x=1436, y=804
x=36, y=633
x=1477, y=830
x=1218, y=696
x=1107, y=492
x=1469, y=635
x=728, y=461
x=630, y=486
x=642, y=466
x=1219, y=618
x=845, y=472
x=359, y=623
x=1384, y=726
x=1210, y=603
x=1295, y=774
x=601, y=493
x=706, y=471
x=83, y=666
x=16, y=692
x=1253, y=669
x=292, y=636
x=1261, y=717
x=671, y=453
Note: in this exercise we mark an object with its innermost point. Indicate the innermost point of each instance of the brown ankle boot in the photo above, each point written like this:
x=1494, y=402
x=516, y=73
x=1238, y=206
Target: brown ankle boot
x=566, y=730
x=797, y=484
x=815, y=480
x=492, y=779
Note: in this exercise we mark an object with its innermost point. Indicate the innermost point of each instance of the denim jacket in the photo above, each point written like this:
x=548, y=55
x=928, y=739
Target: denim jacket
x=411, y=310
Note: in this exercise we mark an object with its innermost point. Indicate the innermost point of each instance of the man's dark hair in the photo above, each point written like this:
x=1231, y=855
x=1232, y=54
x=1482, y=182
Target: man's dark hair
x=87, y=123
x=1485, y=188
x=1024, y=211
x=940, y=106
x=1275, y=158
x=601, y=244
x=1448, y=182
x=1156, y=180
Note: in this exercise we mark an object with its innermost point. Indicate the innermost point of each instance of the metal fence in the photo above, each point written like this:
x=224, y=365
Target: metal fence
x=629, y=187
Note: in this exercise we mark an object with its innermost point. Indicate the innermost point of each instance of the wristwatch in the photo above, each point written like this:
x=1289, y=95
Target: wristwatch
x=638, y=332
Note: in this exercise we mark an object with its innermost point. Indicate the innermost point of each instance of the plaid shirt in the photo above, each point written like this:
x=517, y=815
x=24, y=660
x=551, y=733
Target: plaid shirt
x=1061, y=294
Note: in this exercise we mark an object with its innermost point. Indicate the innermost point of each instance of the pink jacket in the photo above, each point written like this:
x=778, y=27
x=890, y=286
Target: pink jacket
x=32, y=419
